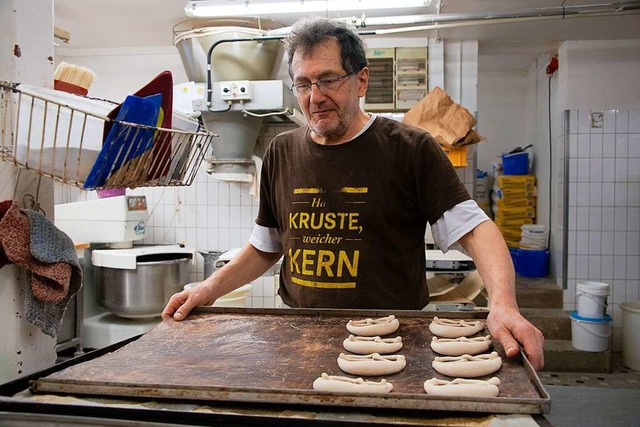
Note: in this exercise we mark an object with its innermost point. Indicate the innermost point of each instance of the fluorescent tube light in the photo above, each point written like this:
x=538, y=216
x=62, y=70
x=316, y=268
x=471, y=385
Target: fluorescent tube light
x=205, y=8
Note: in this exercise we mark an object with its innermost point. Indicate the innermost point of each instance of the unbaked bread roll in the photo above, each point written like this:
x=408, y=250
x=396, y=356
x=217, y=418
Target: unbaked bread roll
x=368, y=345
x=338, y=384
x=374, y=327
x=460, y=346
x=467, y=366
x=463, y=387
x=371, y=364
x=447, y=328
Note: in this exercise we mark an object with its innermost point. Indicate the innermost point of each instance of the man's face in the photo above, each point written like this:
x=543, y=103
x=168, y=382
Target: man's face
x=332, y=111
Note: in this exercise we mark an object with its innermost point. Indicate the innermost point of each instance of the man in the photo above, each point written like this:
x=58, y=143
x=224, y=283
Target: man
x=347, y=199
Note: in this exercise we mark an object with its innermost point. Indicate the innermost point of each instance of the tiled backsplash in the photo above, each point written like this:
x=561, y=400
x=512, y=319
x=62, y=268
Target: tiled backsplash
x=604, y=206
x=213, y=215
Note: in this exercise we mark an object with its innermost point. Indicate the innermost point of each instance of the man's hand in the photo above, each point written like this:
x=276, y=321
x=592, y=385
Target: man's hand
x=245, y=267
x=182, y=303
x=513, y=330
x=489, y=251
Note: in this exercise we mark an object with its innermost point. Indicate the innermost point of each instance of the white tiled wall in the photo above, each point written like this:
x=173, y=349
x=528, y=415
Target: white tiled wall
x=604, y=206
x=213, y=215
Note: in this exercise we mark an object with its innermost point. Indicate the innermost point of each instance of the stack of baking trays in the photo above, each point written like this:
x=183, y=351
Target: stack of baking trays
x=270, y=356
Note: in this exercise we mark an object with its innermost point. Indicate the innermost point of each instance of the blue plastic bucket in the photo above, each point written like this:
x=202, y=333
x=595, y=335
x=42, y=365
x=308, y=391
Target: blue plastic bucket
x=515, y=163
x=532, y=262
x=514, y=257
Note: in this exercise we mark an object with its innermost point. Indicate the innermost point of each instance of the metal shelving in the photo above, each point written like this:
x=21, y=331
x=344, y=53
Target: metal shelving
x=71, y=138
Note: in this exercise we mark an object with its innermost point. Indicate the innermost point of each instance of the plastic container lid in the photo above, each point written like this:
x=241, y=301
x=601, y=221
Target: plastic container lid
x=605, y=319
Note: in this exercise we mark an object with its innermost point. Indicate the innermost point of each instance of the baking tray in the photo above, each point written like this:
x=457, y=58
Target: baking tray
x=273, y=356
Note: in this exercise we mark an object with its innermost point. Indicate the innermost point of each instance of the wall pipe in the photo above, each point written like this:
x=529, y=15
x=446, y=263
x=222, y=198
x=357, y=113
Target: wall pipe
x=456, y=20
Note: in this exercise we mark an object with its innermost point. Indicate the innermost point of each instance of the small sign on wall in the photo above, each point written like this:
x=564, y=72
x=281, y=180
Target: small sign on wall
x=597, y=119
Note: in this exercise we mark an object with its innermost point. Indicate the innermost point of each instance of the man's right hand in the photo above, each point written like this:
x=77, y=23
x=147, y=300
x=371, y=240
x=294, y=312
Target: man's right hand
x=181, y=304
x=244, y=268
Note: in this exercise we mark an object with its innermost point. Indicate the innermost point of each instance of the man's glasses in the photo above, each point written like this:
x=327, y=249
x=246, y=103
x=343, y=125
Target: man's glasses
x=330, y=83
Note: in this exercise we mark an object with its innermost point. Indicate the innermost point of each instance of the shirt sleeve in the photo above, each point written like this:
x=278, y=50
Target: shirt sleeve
x=456, y=222
x=265, y=239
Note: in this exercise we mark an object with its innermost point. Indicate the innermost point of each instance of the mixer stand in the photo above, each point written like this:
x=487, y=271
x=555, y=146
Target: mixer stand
x=107, y=328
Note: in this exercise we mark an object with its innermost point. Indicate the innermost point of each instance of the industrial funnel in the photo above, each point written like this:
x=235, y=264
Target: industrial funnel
x=233, y=58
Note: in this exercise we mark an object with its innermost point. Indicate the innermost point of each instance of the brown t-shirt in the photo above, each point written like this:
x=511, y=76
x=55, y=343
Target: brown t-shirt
x=352, y=216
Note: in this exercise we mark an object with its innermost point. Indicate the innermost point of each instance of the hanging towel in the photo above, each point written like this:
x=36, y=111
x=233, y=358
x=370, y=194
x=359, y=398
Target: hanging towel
x=4, y=207
x=31, y=241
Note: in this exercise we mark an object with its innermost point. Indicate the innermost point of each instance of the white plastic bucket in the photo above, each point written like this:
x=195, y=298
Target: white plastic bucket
x=631, y=334
x=592, y=299
x=231, y=302
x=590, y=334
x=235, y=298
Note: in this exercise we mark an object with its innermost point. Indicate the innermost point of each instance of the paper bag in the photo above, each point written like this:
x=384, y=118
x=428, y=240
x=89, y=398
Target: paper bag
x=449, y=123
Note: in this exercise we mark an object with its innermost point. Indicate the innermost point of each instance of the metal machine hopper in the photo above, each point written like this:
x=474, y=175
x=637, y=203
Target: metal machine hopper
x=236, y=62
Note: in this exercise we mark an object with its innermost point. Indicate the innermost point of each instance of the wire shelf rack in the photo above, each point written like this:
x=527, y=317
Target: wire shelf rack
x=72, y=140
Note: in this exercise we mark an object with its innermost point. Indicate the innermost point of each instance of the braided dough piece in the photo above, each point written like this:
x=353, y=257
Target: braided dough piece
x=463, y=387
x=368, y=345
x=371, y=364
x=467, y=366
x=460, y=346
x=374, y=327
x=338, y=384
x=447, y=328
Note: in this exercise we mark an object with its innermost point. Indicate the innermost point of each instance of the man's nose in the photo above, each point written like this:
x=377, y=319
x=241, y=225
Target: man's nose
x=316, y=93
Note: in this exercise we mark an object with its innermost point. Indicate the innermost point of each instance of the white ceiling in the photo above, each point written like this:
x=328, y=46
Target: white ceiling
x=97, y=24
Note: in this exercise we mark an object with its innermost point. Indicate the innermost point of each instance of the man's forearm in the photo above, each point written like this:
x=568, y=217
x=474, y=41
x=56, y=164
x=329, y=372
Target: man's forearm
x=248, y=265
x=490, y=254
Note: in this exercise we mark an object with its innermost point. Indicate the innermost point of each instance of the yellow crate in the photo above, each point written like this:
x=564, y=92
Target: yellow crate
x=457, y=155
x=512, y=202
x=517, y=212
x=511, y=233
x=513, y=192
x=515, y=181
x=512, y=243
x=512, y=223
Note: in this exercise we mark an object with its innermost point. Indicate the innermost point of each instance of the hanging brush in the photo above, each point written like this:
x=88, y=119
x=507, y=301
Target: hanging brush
x=73, y=78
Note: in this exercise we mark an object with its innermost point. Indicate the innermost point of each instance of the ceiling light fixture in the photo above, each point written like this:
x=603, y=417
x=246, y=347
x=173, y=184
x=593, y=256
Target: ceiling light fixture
x=203, y=8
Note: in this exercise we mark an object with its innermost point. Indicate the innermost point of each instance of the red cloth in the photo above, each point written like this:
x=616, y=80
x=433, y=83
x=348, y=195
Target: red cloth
x=49, y=282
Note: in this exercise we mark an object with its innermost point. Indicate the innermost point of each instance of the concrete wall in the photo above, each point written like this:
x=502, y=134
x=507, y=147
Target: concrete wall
x=501, y=114
x=599, y=74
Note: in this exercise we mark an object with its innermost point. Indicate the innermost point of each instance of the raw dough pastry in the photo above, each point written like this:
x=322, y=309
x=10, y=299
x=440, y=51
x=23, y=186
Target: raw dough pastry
x=368, y=345
x=454, y=328
x=467, y=366
x=371, y=364
x=339, y=384
x=460, y=346
x=372, y=327
x=463, y=387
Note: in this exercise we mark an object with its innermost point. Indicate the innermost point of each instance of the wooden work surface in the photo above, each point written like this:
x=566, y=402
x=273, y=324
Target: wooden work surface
x=263, y=355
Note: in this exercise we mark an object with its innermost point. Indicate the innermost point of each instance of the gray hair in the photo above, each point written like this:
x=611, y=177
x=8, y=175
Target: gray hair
x=308, y=33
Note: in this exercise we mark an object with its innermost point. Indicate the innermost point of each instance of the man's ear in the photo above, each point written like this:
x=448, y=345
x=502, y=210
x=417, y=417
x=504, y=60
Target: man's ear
x=363, y=81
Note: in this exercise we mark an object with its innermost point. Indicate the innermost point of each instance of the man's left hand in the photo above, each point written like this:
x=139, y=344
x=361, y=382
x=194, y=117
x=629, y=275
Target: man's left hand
x=513, y=330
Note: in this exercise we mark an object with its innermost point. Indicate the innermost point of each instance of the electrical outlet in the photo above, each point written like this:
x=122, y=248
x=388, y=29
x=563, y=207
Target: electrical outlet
x=235, y=91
